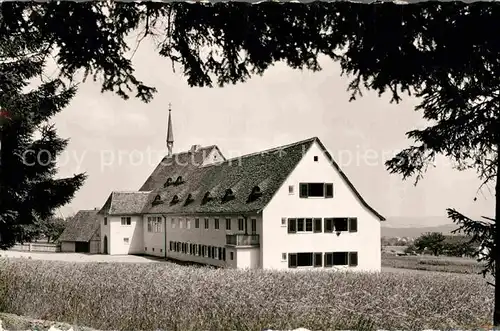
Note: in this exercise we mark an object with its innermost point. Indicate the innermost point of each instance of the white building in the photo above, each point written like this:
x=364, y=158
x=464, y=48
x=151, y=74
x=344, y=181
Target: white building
x=287, y=207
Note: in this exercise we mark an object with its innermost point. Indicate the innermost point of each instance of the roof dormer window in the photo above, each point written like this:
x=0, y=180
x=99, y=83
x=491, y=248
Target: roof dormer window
x=206, y=198
x=168, y=182
x=157, y=200
x=256, y=191
x=175, y=199
x=189, y=199
x=178, y=180
x=228, y=195
x=255, y=194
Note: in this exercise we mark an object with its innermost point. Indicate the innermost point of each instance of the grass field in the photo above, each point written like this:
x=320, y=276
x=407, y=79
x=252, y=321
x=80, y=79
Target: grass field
x=432, y=263
x=130, y=296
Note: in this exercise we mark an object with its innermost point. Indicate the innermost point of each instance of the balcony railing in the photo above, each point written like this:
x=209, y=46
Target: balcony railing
x=242, y=239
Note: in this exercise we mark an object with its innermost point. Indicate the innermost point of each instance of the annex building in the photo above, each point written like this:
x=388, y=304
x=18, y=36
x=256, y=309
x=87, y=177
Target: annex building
x=287, y=207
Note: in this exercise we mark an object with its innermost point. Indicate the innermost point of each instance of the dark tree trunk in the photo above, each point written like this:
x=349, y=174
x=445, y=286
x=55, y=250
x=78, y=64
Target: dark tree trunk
x=496, y=314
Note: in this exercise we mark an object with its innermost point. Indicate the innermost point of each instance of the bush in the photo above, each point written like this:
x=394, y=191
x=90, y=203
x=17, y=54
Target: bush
x=160, y=295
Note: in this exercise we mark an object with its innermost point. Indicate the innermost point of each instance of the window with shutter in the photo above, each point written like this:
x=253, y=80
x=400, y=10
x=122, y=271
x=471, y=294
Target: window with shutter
x=303, y=190
x=317, y=225
x=318, y=262
x=353, y=259
x=353, y=224
x=328, y=260
x=292, y=260
x=292, y=225
x=328, y=190
x=328, y=225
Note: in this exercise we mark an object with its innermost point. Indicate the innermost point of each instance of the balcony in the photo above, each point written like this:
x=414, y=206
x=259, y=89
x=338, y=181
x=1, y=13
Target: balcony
x=242, y=240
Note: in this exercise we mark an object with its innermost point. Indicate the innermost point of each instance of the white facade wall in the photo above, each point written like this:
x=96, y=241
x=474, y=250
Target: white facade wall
x=154, y=242
x=116, y=232
x=209, y=237
x=105, y=234
x=248, y=258
x=276, y=240
x=213, y=157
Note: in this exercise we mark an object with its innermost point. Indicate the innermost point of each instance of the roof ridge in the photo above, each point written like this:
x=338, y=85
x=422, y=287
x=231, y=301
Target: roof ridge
x=142, y=192
x=188, y=151
x=262, y=151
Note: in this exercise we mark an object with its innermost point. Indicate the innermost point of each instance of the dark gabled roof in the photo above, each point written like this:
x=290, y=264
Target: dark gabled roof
x=81, y=227
x=266, y=170
x=179, y=164
x=125, y=203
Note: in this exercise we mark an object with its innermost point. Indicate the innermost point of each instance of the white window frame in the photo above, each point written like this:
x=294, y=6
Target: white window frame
x=305, y=224
x=324, y=196
x=241, y=222
x=150, y=224
x=173, y=223
x=313, y=260
x=188, y=223
x=127, y=219
x=216, y=224
x=228, y=222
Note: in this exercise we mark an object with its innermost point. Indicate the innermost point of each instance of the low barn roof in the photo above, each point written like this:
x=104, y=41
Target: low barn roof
x=125, y=203
x=81, y=227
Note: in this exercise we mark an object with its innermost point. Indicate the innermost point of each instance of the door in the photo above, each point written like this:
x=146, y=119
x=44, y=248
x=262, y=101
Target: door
x=82, y=247
x=105, y=245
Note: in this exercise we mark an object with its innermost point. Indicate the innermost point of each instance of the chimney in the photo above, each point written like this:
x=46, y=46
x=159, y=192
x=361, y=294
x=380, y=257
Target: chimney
x=195, y=148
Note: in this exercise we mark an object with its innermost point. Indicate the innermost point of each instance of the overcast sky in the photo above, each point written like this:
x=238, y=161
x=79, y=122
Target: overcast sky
x=109, y=135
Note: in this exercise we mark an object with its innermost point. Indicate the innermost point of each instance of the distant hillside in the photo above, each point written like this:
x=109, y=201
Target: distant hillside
x=416, y=231
x=407, y=226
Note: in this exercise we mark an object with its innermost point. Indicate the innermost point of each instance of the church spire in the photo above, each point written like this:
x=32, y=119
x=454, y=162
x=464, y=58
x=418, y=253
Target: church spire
x=170, y=133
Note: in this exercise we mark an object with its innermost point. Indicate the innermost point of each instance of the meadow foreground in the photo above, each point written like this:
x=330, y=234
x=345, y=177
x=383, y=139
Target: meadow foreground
x=128, y=296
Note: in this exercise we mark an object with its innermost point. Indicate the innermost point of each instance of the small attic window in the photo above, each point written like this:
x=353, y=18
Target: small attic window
x=157, y=200
x=178, y=180
x=229, y=195
x=189, y=199
x=256, y=191
x=315, y=158
x=207, y=197
x=255, y=194
x=175, y=199
x=168, y=182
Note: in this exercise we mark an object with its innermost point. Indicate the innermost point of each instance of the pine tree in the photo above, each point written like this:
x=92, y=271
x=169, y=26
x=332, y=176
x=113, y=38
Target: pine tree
x=29, y=189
